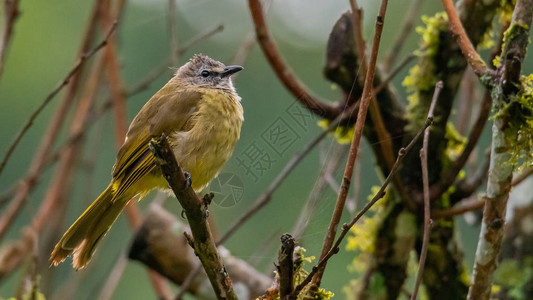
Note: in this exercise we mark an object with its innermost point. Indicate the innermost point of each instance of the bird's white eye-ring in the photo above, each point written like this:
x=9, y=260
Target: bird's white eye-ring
x=204, y=73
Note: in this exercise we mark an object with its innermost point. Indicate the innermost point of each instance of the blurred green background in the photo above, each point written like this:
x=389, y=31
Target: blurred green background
x=47, y=37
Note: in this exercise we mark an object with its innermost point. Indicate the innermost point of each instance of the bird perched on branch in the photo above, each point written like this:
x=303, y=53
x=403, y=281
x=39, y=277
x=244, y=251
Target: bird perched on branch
x=200, y=113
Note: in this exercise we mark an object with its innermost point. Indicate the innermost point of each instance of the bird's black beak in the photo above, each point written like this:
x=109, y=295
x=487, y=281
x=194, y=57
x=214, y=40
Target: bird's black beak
x=230, y=70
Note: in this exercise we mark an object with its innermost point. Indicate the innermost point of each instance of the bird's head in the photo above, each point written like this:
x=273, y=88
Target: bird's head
x=204, y=71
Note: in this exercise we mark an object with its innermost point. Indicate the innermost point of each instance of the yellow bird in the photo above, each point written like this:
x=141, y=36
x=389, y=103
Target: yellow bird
x=201, y=115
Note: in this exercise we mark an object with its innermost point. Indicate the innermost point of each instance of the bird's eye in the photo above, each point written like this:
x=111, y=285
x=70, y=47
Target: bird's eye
x=204, y=73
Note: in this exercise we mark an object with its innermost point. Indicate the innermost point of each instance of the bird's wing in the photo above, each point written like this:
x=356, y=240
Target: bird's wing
x=166, y=112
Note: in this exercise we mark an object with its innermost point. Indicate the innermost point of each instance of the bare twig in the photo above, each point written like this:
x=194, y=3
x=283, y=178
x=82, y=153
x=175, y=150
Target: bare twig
x=284, y=73
x=375, y=114
x=202, y=240
x=346, y=227
x=425, y=182
x=474, y=60
x=53, y=130
x=354, y=148
x=458, y=209
x=408, y=22
x=11, y=12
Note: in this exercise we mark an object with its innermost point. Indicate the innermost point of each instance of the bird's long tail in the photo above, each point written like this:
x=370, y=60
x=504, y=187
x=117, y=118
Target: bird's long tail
x=81, y=238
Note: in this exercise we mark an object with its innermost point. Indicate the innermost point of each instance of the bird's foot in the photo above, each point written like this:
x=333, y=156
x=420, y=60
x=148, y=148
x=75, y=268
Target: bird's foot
x=207, y=201
x=188, y=180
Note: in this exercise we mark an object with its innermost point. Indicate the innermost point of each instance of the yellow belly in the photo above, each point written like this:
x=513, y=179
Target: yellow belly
x=203, y=150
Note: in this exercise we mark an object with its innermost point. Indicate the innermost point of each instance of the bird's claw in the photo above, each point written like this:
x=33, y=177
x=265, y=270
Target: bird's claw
x=188, y=180
x=207, y=201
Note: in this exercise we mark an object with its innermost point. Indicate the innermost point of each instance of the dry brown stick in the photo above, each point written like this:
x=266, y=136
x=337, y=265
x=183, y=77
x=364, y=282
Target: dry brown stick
x=472, y=57
x=458, y=209
x=425, y=184
x=202, y=240
x=284, y=72
x=74, y=71
x=407, y=26
x=52, y=132
x=375, y=114
x=354, y=148
x=11, y=12
x=346, y=227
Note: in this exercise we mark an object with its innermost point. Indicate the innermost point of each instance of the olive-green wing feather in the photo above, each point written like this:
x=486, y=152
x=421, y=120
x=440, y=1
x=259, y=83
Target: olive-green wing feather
x=166, y=112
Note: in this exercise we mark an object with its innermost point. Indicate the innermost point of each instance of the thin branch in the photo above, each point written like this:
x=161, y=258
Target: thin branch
x=354, y=148
x=284, y=73
x=474, y=60
x=458, y=209
x=425, y=182
x=407, y=27
x=74, y=71
x=11, y=13
x=346, y=227
x=195, y=211
x=375, y=114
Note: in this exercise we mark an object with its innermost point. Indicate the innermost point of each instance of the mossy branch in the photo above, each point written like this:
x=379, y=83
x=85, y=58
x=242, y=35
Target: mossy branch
x=504, y=144
x=202, y=239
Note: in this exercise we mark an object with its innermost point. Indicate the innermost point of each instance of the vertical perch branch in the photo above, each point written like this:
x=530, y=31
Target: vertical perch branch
x=425, y=183
x=202, y=239
x=501, y=166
